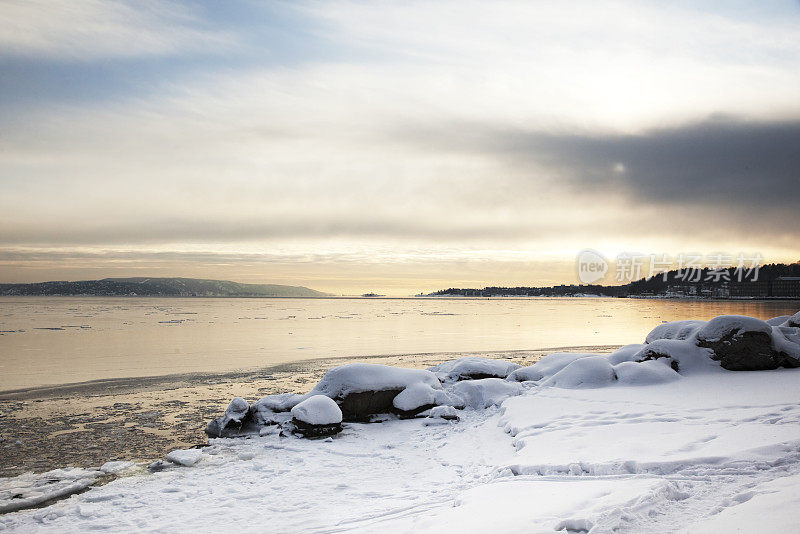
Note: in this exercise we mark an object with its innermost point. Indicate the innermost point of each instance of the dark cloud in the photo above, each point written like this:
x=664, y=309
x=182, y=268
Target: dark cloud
x=717, y=162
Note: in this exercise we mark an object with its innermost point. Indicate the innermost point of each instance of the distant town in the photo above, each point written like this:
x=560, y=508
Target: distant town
x=777, y=280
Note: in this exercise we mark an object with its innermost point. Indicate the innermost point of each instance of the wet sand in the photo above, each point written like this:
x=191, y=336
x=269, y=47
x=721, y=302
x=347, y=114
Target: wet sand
x=141, y=419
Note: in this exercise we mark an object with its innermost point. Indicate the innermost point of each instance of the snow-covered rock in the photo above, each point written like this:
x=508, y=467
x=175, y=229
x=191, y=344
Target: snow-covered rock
x=443, y=412
x=740, y=343
x=675, y=330
x=727, y=326
x=417, y=398
x=472, y=368
x=778, y=321
x=363, y=389
x=272, y=409
x=185, y=457
x=684, y=356
x=589, y=372
x=485, y=392
x=318, y=410
x=317, y=416
x=786, y=341
x=547, y=366
x=231, y=421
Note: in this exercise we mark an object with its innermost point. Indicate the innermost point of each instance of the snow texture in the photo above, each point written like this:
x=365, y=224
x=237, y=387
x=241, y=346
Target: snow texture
x=318, y=410
x=486, y=392
x=471, y=367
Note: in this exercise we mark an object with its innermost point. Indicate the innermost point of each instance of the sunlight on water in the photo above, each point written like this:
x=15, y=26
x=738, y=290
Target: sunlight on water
x=63, y=340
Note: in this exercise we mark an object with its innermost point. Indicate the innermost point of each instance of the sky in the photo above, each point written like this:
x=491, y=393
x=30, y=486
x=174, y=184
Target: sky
x=393, y=147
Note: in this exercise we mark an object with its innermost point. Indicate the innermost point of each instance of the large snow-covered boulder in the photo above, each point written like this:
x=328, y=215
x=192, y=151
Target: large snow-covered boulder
x=740, y=343
x=363, y=389
x=485, y=392
x=318, y=415
x=589, y=372
x=473, y=368
x=675, y=330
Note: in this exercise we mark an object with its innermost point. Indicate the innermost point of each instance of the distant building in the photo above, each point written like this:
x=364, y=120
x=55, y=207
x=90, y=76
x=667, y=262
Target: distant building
x=760, y=288
x=786, y=286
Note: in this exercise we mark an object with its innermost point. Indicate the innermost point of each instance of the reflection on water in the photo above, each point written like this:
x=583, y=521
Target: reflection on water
x=45, y=340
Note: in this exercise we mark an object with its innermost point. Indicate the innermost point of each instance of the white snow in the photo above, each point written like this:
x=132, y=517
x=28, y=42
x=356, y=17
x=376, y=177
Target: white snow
x=547, y=366
x=480, y=394
x=318, y=410
x=594, y=371
x=116, y=467
x=185, y=457
x=786, y=339
x=595, y=443
x=675, y=330
x=649, y=372
x=417, y=396
x=473, y=367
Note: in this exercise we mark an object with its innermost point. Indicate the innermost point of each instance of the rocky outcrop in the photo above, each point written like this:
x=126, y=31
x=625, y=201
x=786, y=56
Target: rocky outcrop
x=742, y=344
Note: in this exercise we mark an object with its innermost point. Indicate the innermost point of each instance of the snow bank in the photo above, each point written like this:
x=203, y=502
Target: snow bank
x=318, y=410
x=486, y=392
x=473, y=367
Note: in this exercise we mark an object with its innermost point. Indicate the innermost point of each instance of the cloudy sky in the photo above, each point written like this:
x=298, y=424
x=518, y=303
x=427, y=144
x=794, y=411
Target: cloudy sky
x=394, y=147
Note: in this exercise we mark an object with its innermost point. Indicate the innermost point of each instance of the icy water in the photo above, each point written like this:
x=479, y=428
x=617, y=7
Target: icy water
x=62, y=340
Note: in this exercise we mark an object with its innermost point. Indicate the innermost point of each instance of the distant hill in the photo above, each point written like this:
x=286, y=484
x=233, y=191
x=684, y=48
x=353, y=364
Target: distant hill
x=157, y=287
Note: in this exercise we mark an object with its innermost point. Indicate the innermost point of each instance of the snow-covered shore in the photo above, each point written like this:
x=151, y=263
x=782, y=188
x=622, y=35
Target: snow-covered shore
x=655, y=437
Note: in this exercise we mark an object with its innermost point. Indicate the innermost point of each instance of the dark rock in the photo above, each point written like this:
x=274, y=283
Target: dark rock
x=653, y=353
x=744, y=351
x=315, y=431
x=410, y=414
x=358, y=407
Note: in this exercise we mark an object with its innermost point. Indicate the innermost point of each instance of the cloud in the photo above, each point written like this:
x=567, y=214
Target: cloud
x=720, y=161
x=87, y=30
